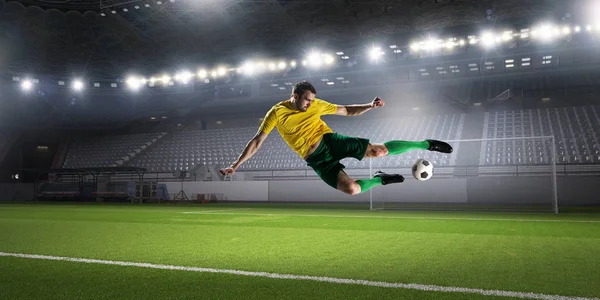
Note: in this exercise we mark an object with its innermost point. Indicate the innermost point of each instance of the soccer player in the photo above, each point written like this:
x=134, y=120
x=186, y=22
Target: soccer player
x=299, y=123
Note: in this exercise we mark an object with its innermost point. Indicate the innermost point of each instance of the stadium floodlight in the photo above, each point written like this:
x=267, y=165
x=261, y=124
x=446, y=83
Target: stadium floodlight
x=248, y=68
x=314, y=59
x=293, y=63
x=461, y=42
x=221, y=71
x=566, y=30
x=26, y=85
x=202, y=74
x=375, y=53
x=577, y=29
x=430, y=44
x=415, y=46
x=546, y=32
x=507, y=36
x=133, y=83
x=272, y=66
x=450, y=44
x=184, y=77
x=165, y=79
x=488, y=40
x=77, y=85
x=281, y=65
x=214, y=74
x=588, y=28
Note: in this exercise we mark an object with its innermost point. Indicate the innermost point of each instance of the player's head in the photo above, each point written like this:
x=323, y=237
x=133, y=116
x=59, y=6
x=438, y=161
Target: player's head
x=303, y=94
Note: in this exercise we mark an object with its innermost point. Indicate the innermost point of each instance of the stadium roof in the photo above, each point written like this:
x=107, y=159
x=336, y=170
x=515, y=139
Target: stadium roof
x=114, y=37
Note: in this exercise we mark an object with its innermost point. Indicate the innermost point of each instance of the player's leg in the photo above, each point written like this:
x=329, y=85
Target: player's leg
x=355, y=187
x=398, y=147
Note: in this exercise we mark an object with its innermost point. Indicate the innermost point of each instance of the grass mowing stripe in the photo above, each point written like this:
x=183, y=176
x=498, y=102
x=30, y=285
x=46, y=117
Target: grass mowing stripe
x=388, y=217
x=411, y=286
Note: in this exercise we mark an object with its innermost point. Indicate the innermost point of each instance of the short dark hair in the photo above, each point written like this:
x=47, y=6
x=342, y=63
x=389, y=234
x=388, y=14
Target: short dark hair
x=303, y=86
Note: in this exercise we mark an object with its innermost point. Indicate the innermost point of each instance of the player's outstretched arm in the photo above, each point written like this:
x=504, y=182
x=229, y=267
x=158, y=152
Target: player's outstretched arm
x=359, y=109
x=250, y=149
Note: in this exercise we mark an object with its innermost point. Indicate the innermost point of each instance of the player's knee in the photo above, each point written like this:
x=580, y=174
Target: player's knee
x=379, y=151
x=350, y=188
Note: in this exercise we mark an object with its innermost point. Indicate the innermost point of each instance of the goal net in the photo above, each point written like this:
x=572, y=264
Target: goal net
x=509, y=174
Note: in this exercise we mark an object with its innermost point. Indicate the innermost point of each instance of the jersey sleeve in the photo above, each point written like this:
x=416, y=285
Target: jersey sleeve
x=326, y=107
x=269, y=121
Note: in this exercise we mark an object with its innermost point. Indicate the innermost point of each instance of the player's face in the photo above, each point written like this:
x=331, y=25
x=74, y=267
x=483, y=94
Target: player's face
x=304, y=101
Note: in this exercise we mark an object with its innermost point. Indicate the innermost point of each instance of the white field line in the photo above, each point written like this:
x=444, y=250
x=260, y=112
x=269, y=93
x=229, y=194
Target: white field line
x=389, y=217
x=212, y=211
x=409, y=286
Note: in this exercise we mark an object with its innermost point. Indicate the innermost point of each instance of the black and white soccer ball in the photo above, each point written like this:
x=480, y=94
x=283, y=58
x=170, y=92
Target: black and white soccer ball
x=422, y=170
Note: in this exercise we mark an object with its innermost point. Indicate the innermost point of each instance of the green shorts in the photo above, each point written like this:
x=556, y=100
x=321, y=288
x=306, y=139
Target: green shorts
x=333, y=148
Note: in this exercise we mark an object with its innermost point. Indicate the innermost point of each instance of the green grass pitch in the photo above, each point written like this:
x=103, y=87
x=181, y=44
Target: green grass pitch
x=539, y=253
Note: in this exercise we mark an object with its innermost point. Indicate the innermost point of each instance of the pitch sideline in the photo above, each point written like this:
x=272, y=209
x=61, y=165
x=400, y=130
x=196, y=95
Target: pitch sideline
x=408, y=286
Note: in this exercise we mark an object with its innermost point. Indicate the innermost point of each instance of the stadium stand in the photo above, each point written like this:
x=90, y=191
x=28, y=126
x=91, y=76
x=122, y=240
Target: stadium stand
x=184, y=150
x=5, y=143
x=577, y=132
x=108, y=151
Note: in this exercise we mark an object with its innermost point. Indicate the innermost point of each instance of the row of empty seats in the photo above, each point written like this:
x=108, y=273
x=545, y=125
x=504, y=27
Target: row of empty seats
x=105, y=151
x=576, y=131
x=185, y=150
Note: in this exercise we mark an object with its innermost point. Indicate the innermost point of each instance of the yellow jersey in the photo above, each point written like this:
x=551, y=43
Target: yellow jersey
x=299, y=129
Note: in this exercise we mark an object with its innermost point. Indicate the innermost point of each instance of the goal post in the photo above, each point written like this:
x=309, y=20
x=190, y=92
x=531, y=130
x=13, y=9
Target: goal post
x=496, y=174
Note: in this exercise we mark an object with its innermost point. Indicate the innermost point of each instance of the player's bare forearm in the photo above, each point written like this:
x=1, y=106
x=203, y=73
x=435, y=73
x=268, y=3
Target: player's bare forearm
x=357, y=109
x=249, y=151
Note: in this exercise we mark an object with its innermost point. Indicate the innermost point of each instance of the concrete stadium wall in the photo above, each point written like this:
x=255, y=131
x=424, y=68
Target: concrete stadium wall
x=475, y=190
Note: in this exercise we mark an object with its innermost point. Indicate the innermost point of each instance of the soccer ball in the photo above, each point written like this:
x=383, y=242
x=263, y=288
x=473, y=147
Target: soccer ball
x=422, y=170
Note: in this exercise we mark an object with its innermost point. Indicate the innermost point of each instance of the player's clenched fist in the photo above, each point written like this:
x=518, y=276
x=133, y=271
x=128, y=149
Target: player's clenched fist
x=228, y=171
x=378, y=102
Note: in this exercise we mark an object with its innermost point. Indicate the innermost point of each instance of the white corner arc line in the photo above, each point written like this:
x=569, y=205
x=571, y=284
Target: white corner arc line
x=389, y=217
x=409, y=286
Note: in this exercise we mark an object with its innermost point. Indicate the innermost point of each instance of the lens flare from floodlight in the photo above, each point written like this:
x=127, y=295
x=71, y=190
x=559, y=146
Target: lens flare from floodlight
x=26, y=85
x=328, y=59
x=507, y=36
x=202, y=74
x=272, y=66
x=281, y=65
x=450, y=44
x=78, y=85
x=577, y=29
x=588, y=28
x=415, y=46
